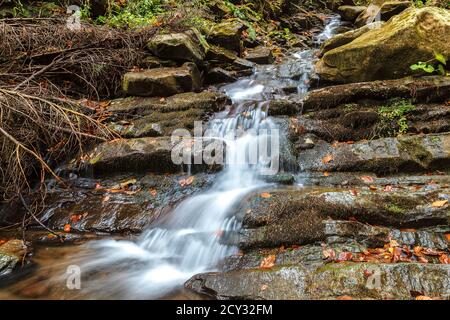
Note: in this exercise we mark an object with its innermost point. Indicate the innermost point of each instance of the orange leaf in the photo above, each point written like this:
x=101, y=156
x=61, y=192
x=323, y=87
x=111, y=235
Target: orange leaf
x=439, y=203
x=345, y=256
x=367, y=179
x=67, y=228
x=329, y=254
x=373, y=188
x=423, y=298
x=189, y=180
x=448, y=237
x=443, y=258
x=268, y=262
x=422, y=260
x=265, y=195
x=75, y=218
x=326, y=173
x=388, y=189
x=264, y=287
x=327, y=158
x=344, y=298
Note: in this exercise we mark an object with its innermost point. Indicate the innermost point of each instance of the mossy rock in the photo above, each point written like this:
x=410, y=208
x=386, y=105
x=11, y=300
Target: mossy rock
x=389, y=51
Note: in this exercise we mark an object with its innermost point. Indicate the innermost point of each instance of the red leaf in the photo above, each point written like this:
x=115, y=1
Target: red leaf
x=67, y=228
x=367, y=179
x=268, y=262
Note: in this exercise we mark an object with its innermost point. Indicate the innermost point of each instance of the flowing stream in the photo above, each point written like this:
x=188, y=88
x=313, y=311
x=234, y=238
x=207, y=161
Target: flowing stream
x=187, y=241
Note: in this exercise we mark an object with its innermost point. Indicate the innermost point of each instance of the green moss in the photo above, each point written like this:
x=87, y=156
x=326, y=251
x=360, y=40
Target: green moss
x=393, y=118
x=395, y=208
x=415, y=149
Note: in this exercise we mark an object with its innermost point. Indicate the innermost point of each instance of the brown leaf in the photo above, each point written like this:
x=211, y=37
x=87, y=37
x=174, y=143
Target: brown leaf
x=388, y=189
x=268, y=262
x=75, y=218
x=67, y=228
x=327, y=158
x=439, y=203
x=354, y=192
x=422, y=260
x=431, y=252
x=265, y=195
x=153, y=192
x=345, y=256
x=373, y=188
x=106, y=198
x=264, y=287
x=367, y=179
x=189, y=180
x=329, y=254
x=326, y=173
x=443, y=258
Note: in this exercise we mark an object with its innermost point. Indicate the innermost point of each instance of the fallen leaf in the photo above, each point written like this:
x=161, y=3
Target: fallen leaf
x=268, y=262
x=326, y=173
x=408, y=230
x=327, y=158
x=422, y=260
x=439, y=203
x=248, y=211
x=265, y=195
x=367, y=179
x=354, y=192
x=431, y=252
x=418, y=251
x=98, y=186
x=443, y=258
x=75, y=218
x=447, y=236
x=423, y=298
x=153, y=192
x=329, y=254
x=367, y=273
x=2, y=242
x=373, y=188
x=344, y=298
x=67, y=228
x=189, y=180
x=264, y=287
x=106, y=198
x=345, y=256
x=388, y=189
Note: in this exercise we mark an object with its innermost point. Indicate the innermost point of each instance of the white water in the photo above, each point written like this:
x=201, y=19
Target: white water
x=187, y=241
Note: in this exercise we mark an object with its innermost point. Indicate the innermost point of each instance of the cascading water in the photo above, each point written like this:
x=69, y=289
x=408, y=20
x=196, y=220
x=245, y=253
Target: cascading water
x=188, y=240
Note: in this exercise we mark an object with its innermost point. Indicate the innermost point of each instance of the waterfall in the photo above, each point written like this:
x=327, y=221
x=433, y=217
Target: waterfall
x=187, y=241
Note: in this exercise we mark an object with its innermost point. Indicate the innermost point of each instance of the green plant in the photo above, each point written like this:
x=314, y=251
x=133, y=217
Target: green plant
x=436, y=65
x=393, y=118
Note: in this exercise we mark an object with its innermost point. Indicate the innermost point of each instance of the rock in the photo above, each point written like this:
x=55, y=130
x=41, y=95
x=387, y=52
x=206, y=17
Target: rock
x=402, y=154
x=152, y=62
x=162, y=82
x=347, y=37
x=178, y=46
x=107, y=209
x=284, y=107
x=260, y=55
x=124, y=155
x=219, y=75
x=388, y=52
x=350, y=13
x=353, y=122
x=303, y=208
x=11, y=253
x=227, y=34
x=300, y=22
x=424, y=89
x=382, y=11
x=228, y=60
x=331, y=281
x=209, y=102
x=149, y=117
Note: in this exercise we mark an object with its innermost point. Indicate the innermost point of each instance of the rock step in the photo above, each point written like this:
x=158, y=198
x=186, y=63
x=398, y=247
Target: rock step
x=415, y=153
x=330, y=281
x=423, y=89
x=295, y=216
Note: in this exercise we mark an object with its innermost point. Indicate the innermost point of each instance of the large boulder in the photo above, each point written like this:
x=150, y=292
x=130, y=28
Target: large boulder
x=178, y=46
x=162, y=82
x=227, y=34
x=388, y=52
